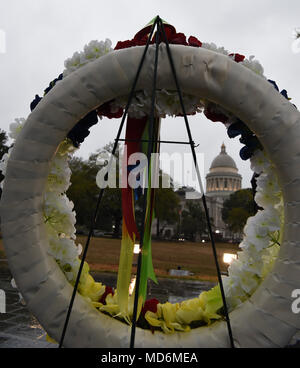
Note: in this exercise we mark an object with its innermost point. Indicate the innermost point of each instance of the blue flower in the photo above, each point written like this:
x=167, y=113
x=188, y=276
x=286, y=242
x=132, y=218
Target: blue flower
x=35, y=102
x=283, y=92
x=274, y=84
x=248, y=138
x=81, y=130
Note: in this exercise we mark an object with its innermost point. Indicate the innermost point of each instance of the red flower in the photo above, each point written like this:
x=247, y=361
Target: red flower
x=238, y=57
x=124, y=44
x=178, y=39
x=144, y=33
x=214, y=116
x=150, y=305
x=169, y=31
x=141, y=41
x=108, y=290
x=193, y=41
x=105, y=110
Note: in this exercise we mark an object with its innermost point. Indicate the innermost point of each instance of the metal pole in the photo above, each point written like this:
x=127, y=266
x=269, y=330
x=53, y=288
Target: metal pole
x=94, y=219
x=200, y=184
x=150, y=149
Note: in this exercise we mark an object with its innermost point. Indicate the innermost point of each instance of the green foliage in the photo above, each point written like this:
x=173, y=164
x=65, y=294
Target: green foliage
x=84, y=194
x=237, y=208
x=3, y=143
x=193, y=220
x=166, y=208
x=83, y=191
x=167, y=205
x=3, y=149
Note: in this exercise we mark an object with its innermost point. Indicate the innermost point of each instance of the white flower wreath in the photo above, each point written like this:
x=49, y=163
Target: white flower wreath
x=259, y=248
x=261, y=242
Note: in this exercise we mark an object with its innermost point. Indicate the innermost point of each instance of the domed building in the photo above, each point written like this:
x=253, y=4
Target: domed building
x=222, y=180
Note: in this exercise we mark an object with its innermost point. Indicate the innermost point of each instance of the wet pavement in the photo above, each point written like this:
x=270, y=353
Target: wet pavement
x=20, y=329
x=172, y=290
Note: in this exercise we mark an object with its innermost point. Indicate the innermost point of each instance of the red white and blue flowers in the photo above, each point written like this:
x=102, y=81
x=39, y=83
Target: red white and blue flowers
x=262, y=233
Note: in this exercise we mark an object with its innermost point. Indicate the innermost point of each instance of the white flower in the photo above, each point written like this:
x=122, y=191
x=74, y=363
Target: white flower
x=252, y=264
x=248, y=282
x=250, y=63
x=268, y=183
x=213, y=47
x=59, y=175
x=259, y=161
x=166, y=104
x=91, y=52
x=96, y=49
x=63, y=250
x=253, y=65
x=266, y=200
x=257, y=236
x=246, y=279
x=16, y=127
x=3, y=163
x=79, y=249
x=235, y=295
x=59, y=215
x=72, y=64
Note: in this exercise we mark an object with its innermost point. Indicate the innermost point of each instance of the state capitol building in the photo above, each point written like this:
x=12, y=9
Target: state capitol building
x=222, y=180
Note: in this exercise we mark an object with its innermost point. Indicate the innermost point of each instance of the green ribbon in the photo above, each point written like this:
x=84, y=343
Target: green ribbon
x=147, y=269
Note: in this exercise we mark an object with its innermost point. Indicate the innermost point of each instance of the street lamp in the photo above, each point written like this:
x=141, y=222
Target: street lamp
x=229, y=257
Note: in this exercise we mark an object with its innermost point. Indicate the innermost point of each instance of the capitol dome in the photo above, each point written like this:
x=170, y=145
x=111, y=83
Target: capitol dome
x=223, y=160
x=223, y=177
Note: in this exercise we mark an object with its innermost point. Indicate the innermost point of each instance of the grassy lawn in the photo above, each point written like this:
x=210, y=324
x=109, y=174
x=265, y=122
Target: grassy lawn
x=198, y=258
x=2, y=254
x=103, y=255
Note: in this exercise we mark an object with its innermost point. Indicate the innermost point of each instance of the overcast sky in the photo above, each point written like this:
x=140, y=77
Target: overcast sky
x=41, y=34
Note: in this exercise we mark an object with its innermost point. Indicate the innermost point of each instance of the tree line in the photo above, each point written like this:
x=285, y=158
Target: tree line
x=187, y=219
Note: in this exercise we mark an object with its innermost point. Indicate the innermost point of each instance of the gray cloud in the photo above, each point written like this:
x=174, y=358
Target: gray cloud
x=40, y=35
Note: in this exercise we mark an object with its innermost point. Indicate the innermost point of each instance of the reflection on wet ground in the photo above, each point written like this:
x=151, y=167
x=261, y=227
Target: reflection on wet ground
x=19, y=329
x=172, y=290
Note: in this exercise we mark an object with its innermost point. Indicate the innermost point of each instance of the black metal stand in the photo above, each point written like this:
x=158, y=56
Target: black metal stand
x=200, y=182
x=94, y=219
x=150, y=150
x=152, y=139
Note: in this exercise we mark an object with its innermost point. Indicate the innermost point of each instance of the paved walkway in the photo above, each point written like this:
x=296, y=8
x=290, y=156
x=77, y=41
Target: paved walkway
x=19, y=329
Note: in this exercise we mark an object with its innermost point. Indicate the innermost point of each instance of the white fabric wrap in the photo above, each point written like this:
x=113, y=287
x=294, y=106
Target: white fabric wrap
x=266, y=319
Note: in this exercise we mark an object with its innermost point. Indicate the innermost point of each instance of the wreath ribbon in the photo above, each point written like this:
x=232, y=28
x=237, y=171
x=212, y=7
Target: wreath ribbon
x=136, y=140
